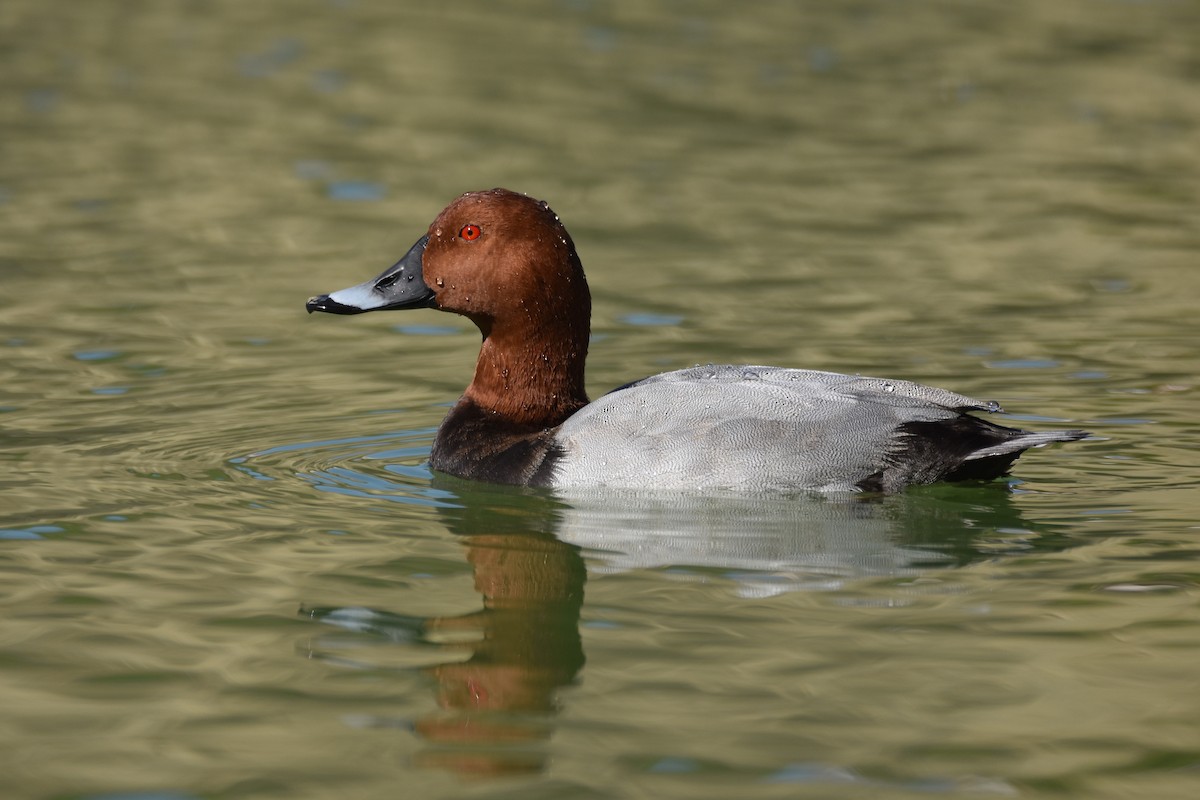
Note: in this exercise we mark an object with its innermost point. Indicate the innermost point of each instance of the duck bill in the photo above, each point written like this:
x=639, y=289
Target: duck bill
x=400, y=286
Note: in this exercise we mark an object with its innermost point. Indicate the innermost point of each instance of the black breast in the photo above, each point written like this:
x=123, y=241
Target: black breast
x=479, y=445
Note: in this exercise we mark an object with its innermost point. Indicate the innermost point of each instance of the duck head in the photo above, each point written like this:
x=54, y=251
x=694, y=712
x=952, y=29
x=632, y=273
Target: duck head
x=506, y=262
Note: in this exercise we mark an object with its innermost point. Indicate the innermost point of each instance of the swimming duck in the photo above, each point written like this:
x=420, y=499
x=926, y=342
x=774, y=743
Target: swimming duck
x=506, y=262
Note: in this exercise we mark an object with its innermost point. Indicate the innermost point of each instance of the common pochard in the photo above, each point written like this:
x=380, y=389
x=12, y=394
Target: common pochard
x=506, y=262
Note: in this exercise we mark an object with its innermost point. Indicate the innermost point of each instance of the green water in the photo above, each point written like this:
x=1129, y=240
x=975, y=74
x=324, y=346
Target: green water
x=227, y=573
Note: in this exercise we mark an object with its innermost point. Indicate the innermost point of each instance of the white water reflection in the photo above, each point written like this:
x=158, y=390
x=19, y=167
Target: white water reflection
x=766, y=545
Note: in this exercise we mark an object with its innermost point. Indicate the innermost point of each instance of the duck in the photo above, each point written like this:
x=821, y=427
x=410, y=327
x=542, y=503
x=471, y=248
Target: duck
x=505, y=261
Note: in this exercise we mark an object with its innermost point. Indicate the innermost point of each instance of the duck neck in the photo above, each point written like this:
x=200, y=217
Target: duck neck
x=530, y=381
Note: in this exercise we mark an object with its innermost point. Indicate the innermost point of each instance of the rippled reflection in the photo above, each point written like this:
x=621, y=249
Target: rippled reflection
x=496, y=690
x=497, y=672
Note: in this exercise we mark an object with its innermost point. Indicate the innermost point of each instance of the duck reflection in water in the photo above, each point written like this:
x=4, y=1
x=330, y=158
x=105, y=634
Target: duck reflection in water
x=496, y=709
x=528, y=647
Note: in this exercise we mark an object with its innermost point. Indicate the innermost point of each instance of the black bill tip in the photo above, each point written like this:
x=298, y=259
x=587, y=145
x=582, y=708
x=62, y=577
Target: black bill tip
x=324, y=302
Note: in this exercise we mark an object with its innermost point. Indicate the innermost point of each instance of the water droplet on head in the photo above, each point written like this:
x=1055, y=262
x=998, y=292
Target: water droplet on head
x=440, y=283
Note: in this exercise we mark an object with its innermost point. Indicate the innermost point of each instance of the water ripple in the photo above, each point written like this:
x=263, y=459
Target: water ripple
x=387, y=466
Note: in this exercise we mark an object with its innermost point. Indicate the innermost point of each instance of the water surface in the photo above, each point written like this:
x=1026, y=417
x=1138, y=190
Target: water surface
x=228, y=572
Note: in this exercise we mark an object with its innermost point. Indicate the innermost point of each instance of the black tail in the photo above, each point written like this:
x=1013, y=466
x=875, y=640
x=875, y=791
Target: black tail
x=957, y=449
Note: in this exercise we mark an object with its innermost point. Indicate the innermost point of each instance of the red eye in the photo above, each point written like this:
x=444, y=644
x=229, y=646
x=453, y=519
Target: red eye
x=470, y=232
